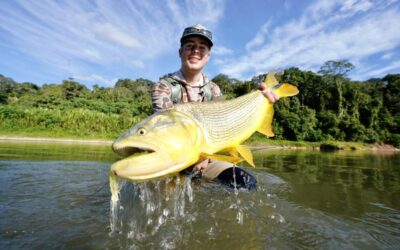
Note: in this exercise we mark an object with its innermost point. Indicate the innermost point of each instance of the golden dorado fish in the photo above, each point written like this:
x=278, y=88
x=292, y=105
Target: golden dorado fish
x=174, y=139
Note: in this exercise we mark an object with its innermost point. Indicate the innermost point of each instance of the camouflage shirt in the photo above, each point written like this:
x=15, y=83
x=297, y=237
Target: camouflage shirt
x=161, y=91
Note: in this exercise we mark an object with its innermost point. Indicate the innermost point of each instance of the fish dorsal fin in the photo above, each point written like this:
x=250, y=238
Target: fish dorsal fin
x=270, y=81
x=227, y=158
x=245, y=152
x=266, y=125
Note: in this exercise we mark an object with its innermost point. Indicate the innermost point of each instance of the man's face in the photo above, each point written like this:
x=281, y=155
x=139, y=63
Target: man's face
x=194, y=53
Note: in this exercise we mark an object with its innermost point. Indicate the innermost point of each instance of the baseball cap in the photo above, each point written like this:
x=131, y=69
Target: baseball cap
x=197, y=30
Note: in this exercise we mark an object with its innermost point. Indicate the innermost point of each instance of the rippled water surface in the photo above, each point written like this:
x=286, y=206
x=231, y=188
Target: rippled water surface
x=57, y=196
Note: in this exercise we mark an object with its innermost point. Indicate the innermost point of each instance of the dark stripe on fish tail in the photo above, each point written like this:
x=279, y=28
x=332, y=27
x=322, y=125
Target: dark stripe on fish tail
x=277, y=86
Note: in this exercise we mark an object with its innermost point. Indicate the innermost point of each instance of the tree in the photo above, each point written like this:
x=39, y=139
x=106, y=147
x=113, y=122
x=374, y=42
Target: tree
x=72, y=89
x=140, y=85
x=6, y=84
x=391, y=97
x=337, y=70
x=25, y=88
x=225, y=84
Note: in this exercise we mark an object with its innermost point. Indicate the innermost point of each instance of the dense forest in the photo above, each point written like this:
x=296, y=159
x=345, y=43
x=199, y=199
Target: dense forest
x=330, y=106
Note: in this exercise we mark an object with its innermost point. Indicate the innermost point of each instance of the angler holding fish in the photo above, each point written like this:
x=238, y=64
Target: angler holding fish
x=183, y=132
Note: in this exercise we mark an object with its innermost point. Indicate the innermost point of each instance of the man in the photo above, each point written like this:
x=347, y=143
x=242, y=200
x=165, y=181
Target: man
x=191, y=84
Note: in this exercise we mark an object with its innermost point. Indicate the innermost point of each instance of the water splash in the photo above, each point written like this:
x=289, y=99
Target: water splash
x=143, y=213
x=239, y=213
x=115, y=187
x=143, y=209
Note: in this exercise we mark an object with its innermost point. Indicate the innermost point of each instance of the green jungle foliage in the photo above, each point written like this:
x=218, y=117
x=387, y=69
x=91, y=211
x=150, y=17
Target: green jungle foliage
x=329, y=106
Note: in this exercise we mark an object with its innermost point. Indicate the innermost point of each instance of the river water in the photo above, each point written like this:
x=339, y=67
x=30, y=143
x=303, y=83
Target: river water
x=58, y=196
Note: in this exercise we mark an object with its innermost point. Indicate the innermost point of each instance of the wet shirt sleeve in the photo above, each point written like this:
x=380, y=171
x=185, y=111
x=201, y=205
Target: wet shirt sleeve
x=161, y=96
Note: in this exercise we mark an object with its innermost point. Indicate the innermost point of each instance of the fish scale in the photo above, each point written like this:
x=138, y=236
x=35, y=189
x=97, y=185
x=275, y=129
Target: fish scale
x=227, y=121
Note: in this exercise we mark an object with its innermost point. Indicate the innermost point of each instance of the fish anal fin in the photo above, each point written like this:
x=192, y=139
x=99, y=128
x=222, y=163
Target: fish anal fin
x=227, y=158
x=245, y=152
x=266, y=125
x=233, y=152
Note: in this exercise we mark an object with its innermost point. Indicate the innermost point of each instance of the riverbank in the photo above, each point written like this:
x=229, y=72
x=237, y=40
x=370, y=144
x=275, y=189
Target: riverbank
x=53, y=140
x=255, y=145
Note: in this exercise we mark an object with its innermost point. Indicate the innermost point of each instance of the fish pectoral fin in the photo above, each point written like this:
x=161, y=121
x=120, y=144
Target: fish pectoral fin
x=266, y=125
x=227, y=158
x=245, y=152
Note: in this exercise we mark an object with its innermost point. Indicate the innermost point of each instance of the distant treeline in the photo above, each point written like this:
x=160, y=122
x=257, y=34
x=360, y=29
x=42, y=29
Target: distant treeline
x=329, y=106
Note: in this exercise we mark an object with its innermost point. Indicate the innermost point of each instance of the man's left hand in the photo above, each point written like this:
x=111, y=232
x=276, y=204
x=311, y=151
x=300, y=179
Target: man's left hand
x=271, y=96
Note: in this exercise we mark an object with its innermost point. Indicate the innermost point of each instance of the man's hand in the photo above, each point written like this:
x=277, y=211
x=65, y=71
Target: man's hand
x=271, y=96
x=201, y=165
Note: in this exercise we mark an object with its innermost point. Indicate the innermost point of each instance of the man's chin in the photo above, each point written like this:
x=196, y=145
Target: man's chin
x=194, y=66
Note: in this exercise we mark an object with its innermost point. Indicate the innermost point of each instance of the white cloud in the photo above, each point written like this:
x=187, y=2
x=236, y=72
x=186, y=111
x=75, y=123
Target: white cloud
x=96, y=79
x=113, y=34
x=387, y=56
x=137, y=64
x=221, y=51
x=356, y=5
x=378, y=71
x=75, y=37
x=317, y=36
x=259, y=39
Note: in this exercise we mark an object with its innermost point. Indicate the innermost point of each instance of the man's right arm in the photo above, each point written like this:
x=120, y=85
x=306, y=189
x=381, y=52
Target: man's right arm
x=161, y=96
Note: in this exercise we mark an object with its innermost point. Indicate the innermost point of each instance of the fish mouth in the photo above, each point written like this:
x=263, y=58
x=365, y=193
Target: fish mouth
x=132, y=150
x=140, y=161
x=148, y=159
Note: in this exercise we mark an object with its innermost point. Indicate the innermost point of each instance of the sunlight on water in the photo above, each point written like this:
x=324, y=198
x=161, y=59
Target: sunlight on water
x=57, y=197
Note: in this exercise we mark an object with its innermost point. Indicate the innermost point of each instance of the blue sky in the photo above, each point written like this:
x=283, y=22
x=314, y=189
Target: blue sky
x=100, y=41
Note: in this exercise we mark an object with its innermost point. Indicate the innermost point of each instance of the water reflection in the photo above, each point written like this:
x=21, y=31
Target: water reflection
x=40, y=151
x=361, y=187
x=354, y=177
x=57, y=196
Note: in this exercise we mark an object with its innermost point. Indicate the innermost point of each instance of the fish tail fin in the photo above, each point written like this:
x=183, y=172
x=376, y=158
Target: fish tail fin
x=285, y=89
x=281, y=89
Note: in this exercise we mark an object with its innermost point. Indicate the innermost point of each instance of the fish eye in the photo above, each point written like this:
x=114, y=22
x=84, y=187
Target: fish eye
x=141, y=131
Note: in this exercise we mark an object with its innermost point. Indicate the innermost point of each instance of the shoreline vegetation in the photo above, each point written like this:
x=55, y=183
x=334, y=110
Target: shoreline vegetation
x=258, y=144
x=331, y=112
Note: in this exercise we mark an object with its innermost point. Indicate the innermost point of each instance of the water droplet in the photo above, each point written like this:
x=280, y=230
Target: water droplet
x=239, y=217
x=277, y=218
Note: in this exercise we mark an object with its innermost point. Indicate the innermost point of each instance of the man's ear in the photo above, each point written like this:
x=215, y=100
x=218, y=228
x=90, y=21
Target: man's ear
x=208, y=55
x=180, y=52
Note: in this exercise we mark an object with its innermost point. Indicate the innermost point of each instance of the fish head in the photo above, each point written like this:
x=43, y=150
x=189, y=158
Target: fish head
x=163, y=144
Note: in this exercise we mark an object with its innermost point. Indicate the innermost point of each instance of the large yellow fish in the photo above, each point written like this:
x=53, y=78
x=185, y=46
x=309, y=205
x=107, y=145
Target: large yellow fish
x=174, y=139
